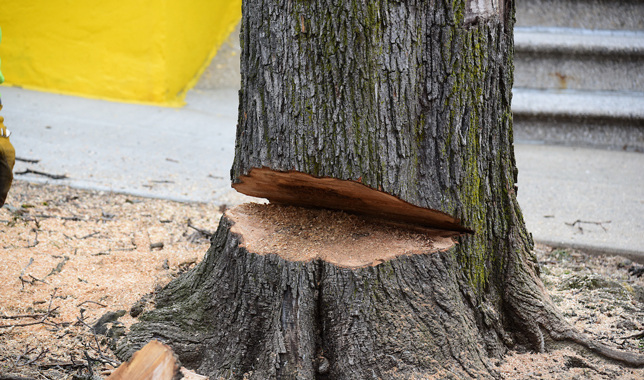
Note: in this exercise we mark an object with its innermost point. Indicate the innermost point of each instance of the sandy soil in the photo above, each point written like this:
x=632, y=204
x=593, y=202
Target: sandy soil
x=68, y=257
x=77, y=255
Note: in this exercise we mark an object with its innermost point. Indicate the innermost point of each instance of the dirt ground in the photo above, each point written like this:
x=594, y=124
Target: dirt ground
x=69, y=257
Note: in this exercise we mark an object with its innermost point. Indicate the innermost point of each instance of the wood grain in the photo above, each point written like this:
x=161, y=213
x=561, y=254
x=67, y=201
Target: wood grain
x=155, y=361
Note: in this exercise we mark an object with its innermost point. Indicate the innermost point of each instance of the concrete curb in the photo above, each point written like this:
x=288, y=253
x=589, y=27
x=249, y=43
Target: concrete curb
x=633, y=255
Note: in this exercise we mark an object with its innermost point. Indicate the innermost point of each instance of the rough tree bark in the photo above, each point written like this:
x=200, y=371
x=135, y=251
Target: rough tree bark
x=409, y=99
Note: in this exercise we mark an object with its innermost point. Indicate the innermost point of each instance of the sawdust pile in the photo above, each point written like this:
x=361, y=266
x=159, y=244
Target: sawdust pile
x=86, y=253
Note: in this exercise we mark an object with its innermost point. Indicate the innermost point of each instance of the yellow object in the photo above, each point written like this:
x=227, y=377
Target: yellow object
x=145, y=51
x=7, y=161
x=1, y=76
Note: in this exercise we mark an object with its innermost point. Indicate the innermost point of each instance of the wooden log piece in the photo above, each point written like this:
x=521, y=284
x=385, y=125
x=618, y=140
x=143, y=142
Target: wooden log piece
x=155, y=361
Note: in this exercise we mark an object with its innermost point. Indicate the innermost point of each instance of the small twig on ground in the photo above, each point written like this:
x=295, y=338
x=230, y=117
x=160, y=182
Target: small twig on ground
x=33, y=316
x=42, y=352
x=62, y=364
x=156, y=245
x=105, y=360
x=87, y=236
x=578, y=223
x=51, y=300
x=27, y=160
x=72, y=218
x=94, y=302
x=35, y=239
x=27, y=351
x=36, y=279
x=52, y=176
x=89, y=364
x=22, y=273
x=46, y=216
x=101, y=357
x=93, y=330
x=639, y=335
x=43, y=320
x=206, y=233
x=59, y=267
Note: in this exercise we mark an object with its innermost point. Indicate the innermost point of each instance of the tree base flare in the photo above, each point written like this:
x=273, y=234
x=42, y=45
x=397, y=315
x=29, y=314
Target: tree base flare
x=242, y=314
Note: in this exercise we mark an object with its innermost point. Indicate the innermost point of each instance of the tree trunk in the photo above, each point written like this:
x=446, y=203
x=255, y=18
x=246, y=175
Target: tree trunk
x=391, y=110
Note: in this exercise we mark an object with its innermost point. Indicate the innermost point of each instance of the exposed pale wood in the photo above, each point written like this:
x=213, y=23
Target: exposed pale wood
x=300, y=189
x=155, y=361
x=300, y=234
x=190, y=375
x=476, y=10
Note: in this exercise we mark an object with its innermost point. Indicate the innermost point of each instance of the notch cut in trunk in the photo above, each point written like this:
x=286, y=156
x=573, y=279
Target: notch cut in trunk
x=300, y=189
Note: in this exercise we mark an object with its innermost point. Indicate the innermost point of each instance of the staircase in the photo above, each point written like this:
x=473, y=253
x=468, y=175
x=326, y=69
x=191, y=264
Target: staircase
x=579, y=73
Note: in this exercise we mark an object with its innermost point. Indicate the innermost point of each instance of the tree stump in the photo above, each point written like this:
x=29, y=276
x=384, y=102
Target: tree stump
x=296, y=293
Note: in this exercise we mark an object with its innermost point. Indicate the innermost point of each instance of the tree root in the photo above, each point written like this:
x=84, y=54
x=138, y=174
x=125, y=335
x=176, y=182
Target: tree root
x=627, y=358
x=532, y=312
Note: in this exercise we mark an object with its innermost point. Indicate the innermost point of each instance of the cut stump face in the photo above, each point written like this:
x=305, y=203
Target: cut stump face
x=300, y=189
x=349, y=241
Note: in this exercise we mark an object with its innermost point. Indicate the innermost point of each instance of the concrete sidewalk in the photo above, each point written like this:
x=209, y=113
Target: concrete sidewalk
x=602, y=189
x=182, y=154
x=185, y=154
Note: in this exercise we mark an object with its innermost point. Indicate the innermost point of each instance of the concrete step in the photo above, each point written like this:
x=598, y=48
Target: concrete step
x=579, y=59
x=601, y=119
x=586, y=14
